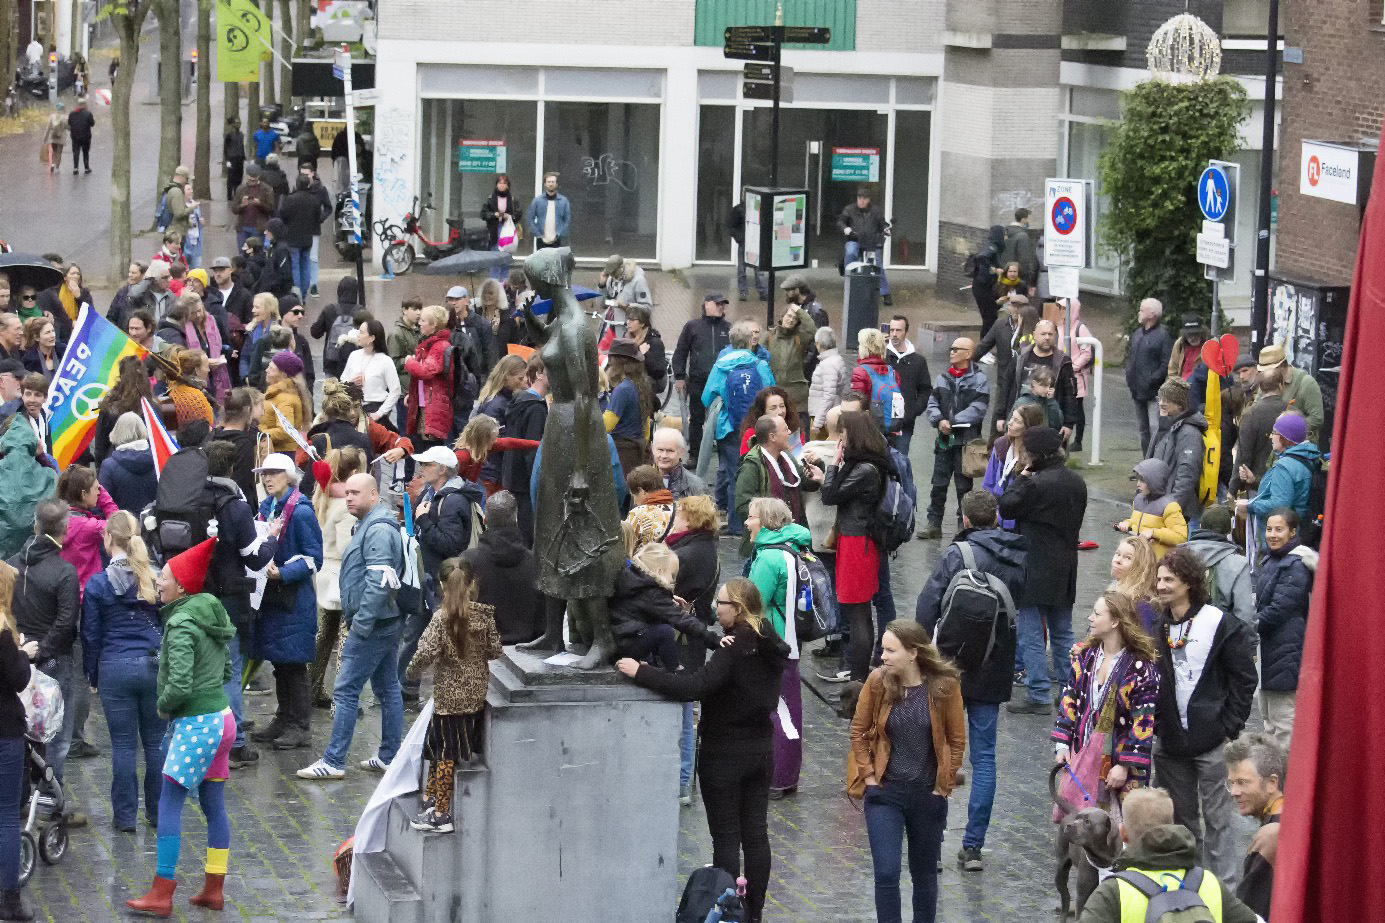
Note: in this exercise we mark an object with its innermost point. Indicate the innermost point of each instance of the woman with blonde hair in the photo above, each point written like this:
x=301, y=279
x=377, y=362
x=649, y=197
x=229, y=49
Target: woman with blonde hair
x=1134, y=570
x=120, y=643
x=1112, y=690
x=491, y=302
x=739, y=692
x=14, y=679
x=200, y=331
x=337, y=523
x=264, y=315
x=907, y=740
x=871, y=368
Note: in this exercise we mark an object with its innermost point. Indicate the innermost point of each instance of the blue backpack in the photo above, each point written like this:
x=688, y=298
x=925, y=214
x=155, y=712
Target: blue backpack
x=886, y=400
x=743, y=382
x=895, y=514
x=163, y=215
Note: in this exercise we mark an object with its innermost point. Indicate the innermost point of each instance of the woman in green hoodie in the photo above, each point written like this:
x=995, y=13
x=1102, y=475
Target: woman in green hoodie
x=194, y=666
x=777, y=539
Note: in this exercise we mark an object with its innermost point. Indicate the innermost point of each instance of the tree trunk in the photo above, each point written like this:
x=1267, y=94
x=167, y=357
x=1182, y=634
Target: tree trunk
x=202, y=149
x=170, y=91
x=252, y=116
x=267, y=94
x=75, y=33
x=230, y=101
x=128, y=22
x=8, y=39
x=286, y=71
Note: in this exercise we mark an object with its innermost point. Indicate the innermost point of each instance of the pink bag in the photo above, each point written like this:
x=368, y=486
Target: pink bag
x=1083, y=784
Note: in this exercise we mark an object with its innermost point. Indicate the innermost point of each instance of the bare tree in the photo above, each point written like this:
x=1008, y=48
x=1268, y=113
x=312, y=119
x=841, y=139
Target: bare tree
x=127, y=16
x=267, y=94
x=9, y=40
x=230, y=102
x=202, y=146
x=170, y=90
x=252, y=114
x=285, y=37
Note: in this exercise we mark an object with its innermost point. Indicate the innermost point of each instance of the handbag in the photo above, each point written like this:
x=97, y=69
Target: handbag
x=43, y=706
x=1084, y=786
x=507, y=240
x=975, y=456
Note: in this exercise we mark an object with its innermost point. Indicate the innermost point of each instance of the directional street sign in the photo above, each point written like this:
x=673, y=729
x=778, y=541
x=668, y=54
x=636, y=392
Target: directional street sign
x=743, y=34
x=758, y=90
x=1213, y=193
x=744, y=51
x=762, y=72
x=807, y=35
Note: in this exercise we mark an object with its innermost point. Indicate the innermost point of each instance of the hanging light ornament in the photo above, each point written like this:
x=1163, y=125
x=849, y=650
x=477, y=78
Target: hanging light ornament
x=1185, y=46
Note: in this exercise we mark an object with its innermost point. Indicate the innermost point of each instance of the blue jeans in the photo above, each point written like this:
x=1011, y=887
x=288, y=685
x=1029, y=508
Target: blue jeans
x=372, y=659
x=244, y=234
x=981, y=726
x=66, y=673
x=233, y=686
x=312, y=263
x=11, y=790
x=883, y=602
x=130, y=696
x=891, y=812
x=1030, y=625
x=853, y=255
x=741, y=286
x=687, y=748
x=901, y=442
x=301, y=261
x=728, y=459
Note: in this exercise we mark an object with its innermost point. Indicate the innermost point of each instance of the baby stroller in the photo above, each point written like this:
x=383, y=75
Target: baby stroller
x=45, y=821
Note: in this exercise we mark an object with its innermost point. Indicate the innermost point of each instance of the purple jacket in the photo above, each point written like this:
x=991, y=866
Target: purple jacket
x=994, y=481
x=82, y=546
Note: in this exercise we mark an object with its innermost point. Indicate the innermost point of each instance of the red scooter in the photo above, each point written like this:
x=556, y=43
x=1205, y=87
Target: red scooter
x=405, y=245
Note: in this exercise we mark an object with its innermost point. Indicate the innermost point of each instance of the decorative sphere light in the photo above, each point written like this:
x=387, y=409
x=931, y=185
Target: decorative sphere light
x=1185, y=46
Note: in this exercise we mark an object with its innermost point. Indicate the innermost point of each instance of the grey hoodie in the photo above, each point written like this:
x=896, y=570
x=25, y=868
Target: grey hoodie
x=1231, y=573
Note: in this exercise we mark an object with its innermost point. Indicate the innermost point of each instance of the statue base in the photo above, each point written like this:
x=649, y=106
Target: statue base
x=572, y=815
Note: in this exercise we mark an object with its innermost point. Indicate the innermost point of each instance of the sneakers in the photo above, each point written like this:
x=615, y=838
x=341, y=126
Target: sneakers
x=839, y=676
x=969, y=859
x=243, y=755
x=313, y=292
x=430, y=821
x=374, y=764
x=932, y=530
x=272, y=732
x=685, y=795
x=321, y=770
x=779, y=794
x=1028, y=708
x=1020, y=676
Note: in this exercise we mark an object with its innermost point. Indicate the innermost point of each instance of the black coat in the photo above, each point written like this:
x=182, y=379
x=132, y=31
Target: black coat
x=242, y=471
x=738, y=688
x=656, y=361
x=50, y=304
x=1283, y=591
x=868, y=225
x=1002, y=555
x=855, y=489
x=445, y=530
x=1147, y=362
x=700, y=342
x=639, y=602
x=14, y=679
x=80, y=122
x=45, y=598
x=1220, y=703
x=698, y=570
x=1048, y=507
x=507, y=579
x=1064, y=381
x=513, y=208
x=172, y=332
x=525, y=419
x=914, y=383
x=237, y=304
x=301, y=212
x=277, y=275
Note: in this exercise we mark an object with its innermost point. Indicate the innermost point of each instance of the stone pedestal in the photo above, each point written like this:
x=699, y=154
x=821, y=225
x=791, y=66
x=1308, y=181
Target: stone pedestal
x=573, y=816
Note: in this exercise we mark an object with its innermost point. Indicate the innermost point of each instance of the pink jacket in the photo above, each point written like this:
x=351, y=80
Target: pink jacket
x=82, y=546
x=1083, y=355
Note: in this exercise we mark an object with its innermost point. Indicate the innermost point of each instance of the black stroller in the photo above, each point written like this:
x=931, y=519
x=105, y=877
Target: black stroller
x=45, y=821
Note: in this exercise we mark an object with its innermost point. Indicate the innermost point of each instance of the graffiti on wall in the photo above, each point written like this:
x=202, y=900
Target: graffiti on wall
x=394, y=144
x=605, y=170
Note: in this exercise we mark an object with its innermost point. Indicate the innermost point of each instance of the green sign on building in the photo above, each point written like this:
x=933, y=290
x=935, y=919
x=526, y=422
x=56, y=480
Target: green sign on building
x=856, y=164
x=480, y=156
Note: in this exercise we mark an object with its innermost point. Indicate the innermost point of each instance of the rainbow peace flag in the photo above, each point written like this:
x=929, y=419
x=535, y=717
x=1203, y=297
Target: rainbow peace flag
x=89, y=368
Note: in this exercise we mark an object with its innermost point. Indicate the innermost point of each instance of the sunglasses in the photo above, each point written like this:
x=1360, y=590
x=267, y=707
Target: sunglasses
x=956, y=349
x=28, y=298
x=294, y=311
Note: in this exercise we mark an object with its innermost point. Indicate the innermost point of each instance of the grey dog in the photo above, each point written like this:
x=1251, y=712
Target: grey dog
x=1088, y=839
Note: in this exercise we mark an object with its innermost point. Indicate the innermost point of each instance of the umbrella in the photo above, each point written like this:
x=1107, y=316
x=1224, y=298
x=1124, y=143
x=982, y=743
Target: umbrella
x=28, y=269
x=544, y=305
x=467, y=263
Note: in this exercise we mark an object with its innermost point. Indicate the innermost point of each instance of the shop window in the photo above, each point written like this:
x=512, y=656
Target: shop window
x=909, y=217
x=716, y=192
x=915, y=91
x=455, y=194
x=608, y=158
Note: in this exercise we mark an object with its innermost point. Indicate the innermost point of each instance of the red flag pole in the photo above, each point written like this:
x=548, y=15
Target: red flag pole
x=1329, y=867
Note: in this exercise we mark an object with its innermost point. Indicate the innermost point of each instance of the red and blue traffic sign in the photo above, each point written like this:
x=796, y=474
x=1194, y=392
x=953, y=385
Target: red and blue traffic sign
x=1064, y=215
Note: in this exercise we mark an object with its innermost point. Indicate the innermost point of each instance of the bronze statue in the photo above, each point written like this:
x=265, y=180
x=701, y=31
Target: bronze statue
x=577, y=536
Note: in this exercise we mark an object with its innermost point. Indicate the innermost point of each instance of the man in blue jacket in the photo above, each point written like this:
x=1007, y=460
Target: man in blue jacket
x=987, y=686
x=956, y=409
x=736, y=377
x=371, y=570
x=550, y=215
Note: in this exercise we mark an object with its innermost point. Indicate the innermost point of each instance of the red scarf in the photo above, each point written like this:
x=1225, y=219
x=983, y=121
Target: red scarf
x=956, y=372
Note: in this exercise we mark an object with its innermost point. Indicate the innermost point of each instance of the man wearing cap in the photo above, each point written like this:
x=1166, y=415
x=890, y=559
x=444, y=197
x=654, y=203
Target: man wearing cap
x=1290, y=478
x=11, y=376
x=233, y=299
x=1047, y=502
x=442, y=524
x=699, y=343
x=480, y=348
x=371, y=570
x=253, y=204
x=550, y=215
x=1185, y=361
x=175, y=199
x=1254, y=449
x=1146, y=367
x=1180, y=444
x=865, y=227
x=1301, y=390
x=797, y=291
x=286, y=630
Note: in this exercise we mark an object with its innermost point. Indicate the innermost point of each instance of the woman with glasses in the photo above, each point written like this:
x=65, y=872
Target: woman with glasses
x=739, y=690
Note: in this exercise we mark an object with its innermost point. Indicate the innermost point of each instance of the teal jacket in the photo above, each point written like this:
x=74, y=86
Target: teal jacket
x=1286, y=483
x=371, y=569
x=194, y=661
x=716, y=384
x=770, y=573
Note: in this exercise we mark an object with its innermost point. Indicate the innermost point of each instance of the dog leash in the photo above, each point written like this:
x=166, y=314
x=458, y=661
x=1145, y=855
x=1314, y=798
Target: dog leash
x=1082, y=788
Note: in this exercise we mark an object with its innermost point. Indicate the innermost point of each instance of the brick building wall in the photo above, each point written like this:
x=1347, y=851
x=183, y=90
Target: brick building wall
x=1336, y=94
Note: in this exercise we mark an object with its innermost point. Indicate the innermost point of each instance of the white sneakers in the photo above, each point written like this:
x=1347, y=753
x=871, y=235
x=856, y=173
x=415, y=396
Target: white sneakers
x=374, y=764
x=320, y=771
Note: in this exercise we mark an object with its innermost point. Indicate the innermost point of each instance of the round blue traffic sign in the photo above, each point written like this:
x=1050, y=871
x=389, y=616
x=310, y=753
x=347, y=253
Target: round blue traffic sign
x=1213, y=193
x=1064, y=215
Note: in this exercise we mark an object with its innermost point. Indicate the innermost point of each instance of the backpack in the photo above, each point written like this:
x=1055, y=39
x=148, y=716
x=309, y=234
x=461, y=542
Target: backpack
x=886, y=400
x=1182, y=904
x=163, y=215
x=973, y=604
x=465, y=384
x=185, y=508
x=895, y=514
x=743, y=382
x=815, y=612
x=341, y=326
x=706, y=886
x=1310, y=529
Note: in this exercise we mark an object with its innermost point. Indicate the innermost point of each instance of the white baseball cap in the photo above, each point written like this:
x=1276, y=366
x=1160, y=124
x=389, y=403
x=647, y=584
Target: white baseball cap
x=438, y=455
x=277, y=461
x=458, y=291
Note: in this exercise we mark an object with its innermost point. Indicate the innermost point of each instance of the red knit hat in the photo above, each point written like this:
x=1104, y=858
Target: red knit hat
x=190, y=567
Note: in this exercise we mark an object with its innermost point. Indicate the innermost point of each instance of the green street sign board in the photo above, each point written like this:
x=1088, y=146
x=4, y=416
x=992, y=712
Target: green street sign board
x=856, y=164
x=480, y=155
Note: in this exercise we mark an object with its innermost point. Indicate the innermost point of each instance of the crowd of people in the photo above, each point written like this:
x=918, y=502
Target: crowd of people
x=290, y=549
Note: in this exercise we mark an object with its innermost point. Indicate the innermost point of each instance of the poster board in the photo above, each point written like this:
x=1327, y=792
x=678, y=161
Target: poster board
x=776, y=228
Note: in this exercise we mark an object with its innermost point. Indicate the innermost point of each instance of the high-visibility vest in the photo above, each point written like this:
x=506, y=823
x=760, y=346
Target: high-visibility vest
x=1134, y=903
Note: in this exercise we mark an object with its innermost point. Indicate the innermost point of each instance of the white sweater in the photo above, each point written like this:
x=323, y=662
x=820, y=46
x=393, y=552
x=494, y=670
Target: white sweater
x=381, y=379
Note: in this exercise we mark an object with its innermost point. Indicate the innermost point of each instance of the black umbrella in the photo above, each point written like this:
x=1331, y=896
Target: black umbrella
x=28, y=269
x=467, y=263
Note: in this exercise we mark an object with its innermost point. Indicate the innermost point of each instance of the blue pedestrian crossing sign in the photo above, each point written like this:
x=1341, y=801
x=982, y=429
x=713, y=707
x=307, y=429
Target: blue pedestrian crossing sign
x=1213, y=193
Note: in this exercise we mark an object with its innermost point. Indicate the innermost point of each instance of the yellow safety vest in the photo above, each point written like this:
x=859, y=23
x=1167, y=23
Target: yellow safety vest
x=1134, y=903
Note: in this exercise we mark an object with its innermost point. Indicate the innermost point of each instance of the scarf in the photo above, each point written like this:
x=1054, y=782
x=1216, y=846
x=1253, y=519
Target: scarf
x=956, y=372
x=68, y=300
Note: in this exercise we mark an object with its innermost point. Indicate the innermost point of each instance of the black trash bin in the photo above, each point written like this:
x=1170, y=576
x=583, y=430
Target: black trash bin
x=861, y=301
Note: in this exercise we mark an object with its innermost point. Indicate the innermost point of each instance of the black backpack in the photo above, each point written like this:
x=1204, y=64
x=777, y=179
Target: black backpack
x=1310, y=530
x=705, y=887
x=814, y=607
x=457, y=367
x=334, y=350
x=1182, y=904
x=973, y=605
x=185, y=506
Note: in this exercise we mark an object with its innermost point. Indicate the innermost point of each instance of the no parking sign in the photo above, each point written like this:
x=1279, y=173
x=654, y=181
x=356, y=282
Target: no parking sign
x=1065, y=223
